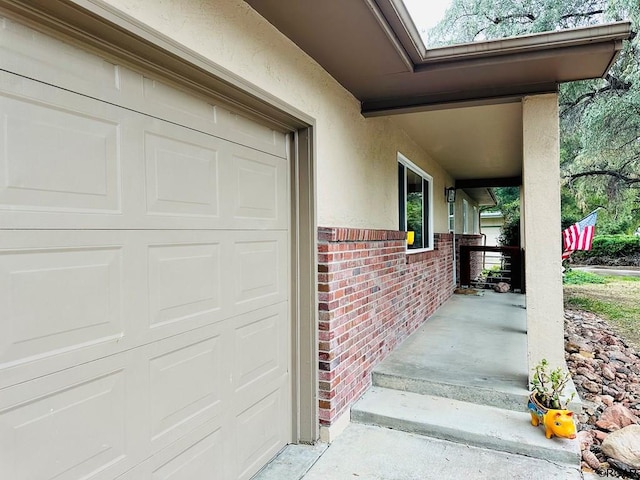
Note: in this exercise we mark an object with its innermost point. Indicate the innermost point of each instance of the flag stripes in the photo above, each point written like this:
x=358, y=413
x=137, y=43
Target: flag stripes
x=579, y=236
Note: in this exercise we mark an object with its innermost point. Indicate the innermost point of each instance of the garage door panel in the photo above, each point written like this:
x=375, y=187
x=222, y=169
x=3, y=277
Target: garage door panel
x=184, y=282
x=201, y=453
x=246, y=131
x=259, y=352
x=204, y=459
x=56, y=298
x=75, y=296
x=257, y=195
x=49, y=60
x=164, y=101
x=71, y=162
x=36, y=55
x=259, y=270
x=194, y=180
x=186, y=388
x=181, y=172
x=160, y=100
x=258, y=274
x=75, y=423
x=258, y=433
x=169, y=102
x=58, y=159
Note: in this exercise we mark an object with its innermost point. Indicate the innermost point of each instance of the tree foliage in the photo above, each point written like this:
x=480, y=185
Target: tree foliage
x=600, y=119
x=508, y=202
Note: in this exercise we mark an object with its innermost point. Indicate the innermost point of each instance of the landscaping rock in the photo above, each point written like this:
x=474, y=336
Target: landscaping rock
x=592, y=387
x=585, y=438
x=590, y=459
x=599, y=435
x=624, y=446
x=606, y=373
x=588, y=373
x=616, y=417
x=502, y=287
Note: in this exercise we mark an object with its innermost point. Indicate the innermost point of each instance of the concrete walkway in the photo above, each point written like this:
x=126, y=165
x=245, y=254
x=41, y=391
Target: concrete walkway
x=450, y=402
x=364, y=452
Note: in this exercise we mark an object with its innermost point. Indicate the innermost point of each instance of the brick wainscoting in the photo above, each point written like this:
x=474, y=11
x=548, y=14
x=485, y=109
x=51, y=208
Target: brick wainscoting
x=372, y=295
x=475, y=257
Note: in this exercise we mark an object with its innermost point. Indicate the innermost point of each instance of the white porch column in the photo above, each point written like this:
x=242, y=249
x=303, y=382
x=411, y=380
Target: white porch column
x=540, y=212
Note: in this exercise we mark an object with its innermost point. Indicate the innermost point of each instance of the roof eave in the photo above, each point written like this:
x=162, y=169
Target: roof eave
x=578, y=37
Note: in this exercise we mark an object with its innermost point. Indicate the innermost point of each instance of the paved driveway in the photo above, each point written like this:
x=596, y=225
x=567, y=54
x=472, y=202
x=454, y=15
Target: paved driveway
x=605, y=270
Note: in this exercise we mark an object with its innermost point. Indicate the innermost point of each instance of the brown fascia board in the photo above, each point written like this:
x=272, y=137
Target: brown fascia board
x=454, y=80
x=402, y=24
x=576, y=37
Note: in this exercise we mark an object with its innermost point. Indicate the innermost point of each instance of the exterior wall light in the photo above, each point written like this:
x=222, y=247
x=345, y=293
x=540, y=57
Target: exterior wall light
x=450, y=194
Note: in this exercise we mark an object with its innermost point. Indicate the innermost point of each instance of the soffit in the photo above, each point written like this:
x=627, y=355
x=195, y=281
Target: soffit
x=482, y=196
x=461, y=104
x=367, y=46
x=482, y=141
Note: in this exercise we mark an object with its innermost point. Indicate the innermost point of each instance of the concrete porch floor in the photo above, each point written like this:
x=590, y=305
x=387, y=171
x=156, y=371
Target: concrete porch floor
x=461, y=380
x=474, y=348
x=463, y=377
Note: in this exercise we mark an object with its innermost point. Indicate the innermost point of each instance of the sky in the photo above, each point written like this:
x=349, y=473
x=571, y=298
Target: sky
x=426, y=13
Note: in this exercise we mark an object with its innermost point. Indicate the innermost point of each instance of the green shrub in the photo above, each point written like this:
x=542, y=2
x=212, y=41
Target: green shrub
x=610, y=246
x=615, y=245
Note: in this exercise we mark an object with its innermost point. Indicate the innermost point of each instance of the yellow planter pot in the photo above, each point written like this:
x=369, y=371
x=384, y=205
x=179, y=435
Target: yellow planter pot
x=556, y=422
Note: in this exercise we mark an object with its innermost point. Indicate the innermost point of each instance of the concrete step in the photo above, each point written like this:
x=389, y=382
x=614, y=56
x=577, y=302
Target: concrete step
x=505, y=397
x=462, y=422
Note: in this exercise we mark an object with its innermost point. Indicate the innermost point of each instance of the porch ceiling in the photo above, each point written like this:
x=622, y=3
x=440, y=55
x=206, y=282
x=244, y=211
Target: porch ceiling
x=483, y=141
x=460, y=103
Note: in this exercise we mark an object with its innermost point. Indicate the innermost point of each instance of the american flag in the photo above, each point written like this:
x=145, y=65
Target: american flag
x=579, y=236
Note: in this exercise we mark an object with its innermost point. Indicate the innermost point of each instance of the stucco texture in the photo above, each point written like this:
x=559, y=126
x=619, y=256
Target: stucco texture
x=356, y=169
x=541, y=213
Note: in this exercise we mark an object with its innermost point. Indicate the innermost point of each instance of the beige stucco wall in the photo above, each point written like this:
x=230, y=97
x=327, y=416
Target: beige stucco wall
x=459, y=216
x=355, y=157
x=541, y=213
x=491, y=227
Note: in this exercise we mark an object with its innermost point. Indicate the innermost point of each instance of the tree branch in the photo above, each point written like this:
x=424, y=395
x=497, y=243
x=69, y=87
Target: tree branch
x=499, y=20
x=611, y=173
x=532, y=18
x=581, y=14
x=614, y=84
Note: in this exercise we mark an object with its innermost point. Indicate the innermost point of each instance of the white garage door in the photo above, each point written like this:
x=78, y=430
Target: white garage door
x=144, y=275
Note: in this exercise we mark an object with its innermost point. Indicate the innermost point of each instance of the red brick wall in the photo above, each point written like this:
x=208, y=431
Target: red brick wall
x=476, y=257
x=372, y=295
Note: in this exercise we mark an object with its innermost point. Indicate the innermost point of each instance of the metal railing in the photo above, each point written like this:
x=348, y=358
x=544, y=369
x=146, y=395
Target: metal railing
x=512, y=265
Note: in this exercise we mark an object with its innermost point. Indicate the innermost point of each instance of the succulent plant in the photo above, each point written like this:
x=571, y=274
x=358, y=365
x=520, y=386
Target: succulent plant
x=548, y=385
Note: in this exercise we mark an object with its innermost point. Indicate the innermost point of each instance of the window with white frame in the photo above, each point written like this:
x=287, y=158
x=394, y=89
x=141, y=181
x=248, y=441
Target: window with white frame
x=415, y=200
x=476, y=220
x=465, y=216
x=452, y=217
